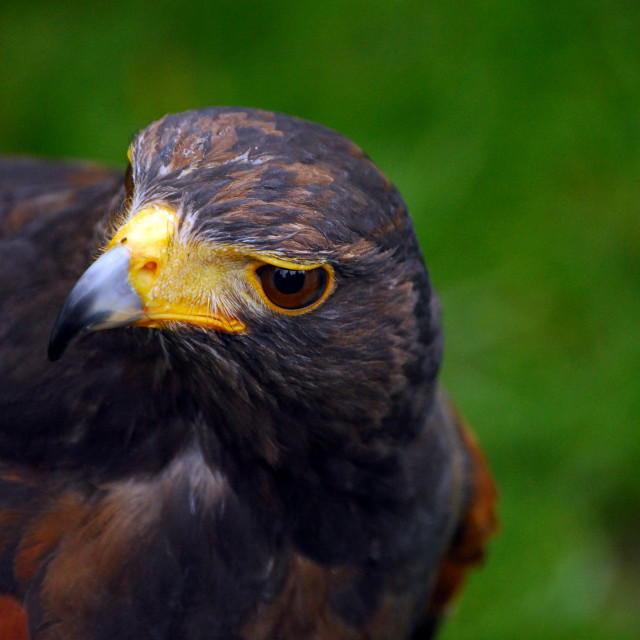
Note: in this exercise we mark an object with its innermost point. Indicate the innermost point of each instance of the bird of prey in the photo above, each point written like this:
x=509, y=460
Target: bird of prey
x=239, y=432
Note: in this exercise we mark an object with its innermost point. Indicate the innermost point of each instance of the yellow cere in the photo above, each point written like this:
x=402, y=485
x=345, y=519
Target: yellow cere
x=176, y=284
x=147, y=236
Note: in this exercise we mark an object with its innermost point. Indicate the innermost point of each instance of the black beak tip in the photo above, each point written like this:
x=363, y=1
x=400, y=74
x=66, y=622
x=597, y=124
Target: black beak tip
x=56, y=349
x=74, y=317
x=102, y=298
x=61, y=335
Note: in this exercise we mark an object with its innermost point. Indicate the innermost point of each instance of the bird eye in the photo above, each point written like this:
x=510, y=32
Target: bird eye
x=292, y=288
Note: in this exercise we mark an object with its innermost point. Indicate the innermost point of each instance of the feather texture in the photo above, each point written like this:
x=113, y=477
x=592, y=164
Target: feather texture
x=304, y=479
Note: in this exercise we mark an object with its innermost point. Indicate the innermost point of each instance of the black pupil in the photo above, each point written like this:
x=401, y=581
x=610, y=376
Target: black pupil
x=288, y=281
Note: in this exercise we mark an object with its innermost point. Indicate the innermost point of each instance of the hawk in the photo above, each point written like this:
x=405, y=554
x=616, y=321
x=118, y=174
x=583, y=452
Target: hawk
x=239, y=433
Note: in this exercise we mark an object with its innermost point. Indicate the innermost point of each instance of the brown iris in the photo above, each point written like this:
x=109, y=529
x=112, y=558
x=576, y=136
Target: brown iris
x=292, y=288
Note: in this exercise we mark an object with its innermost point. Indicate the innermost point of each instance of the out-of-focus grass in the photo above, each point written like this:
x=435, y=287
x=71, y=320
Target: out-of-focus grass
x=513, y=130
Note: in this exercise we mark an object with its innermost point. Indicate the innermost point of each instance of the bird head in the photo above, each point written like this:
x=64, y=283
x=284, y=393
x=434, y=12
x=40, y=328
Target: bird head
x=279, y=271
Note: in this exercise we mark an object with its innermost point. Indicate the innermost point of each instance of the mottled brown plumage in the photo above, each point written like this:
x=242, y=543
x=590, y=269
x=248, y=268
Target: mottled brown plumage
x=288, y=473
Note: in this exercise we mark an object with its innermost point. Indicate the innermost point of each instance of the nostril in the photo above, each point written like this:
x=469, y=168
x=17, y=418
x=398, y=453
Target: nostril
x=150, y=267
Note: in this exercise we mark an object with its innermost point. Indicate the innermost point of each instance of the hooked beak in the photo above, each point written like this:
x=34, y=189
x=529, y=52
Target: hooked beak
x=103, y=298
x=121, y=287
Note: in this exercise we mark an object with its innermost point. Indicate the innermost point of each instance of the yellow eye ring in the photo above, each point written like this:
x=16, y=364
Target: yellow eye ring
x=292, y=289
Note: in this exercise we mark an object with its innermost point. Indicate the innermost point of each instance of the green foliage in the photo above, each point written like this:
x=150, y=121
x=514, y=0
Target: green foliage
x=513, y=131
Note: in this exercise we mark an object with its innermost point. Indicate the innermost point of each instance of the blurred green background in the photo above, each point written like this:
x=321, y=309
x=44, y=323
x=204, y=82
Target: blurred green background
x=513, y=131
